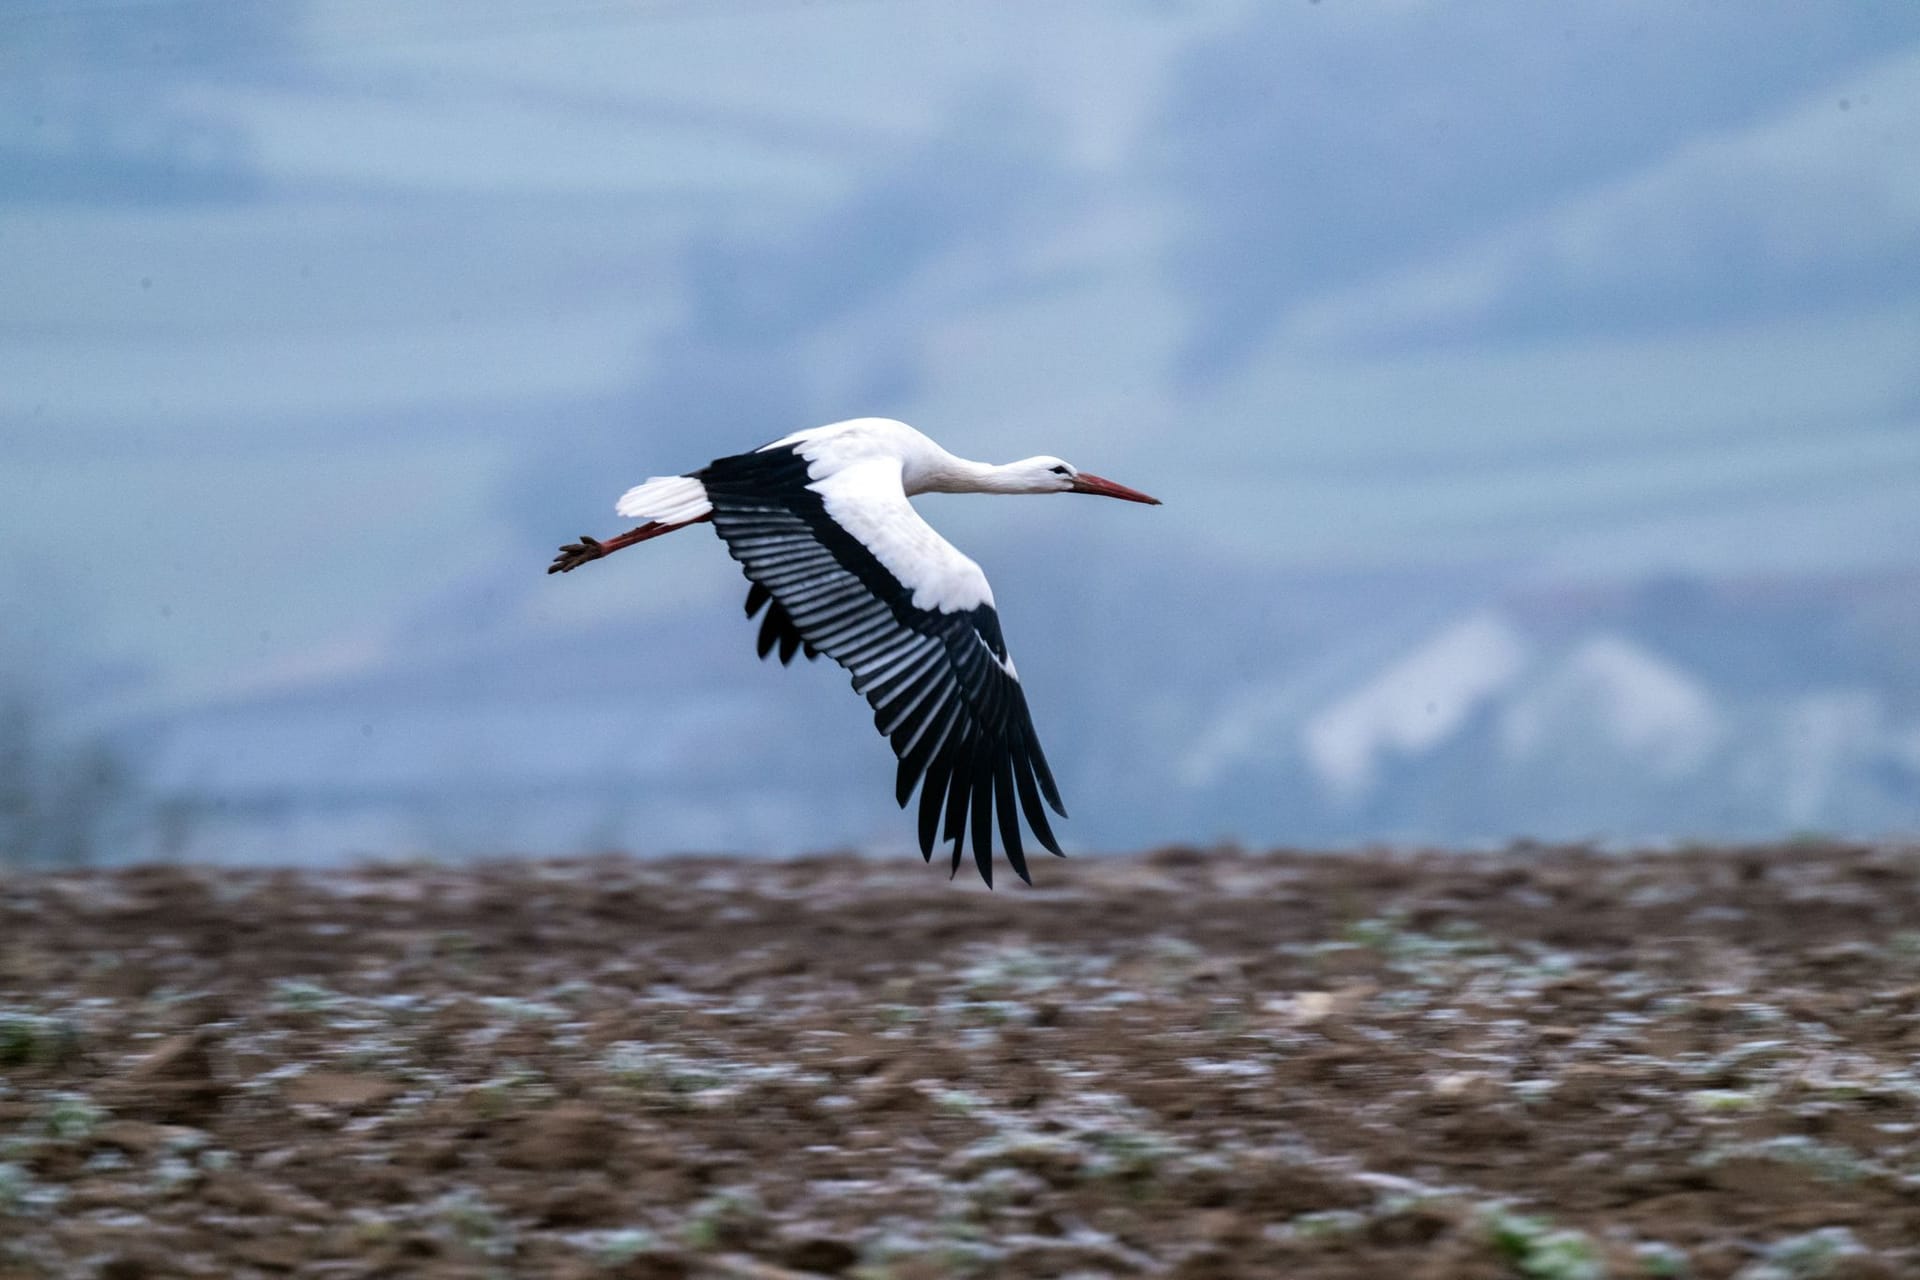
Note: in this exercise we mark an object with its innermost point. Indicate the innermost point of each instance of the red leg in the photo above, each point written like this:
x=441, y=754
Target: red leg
x=575, y=554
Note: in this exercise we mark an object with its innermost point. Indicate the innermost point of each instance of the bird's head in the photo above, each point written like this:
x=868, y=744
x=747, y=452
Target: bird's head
x=1046, y=474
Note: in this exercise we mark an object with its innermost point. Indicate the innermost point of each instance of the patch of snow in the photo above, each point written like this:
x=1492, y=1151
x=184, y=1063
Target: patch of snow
x=1416, y=704
x=1630, y=699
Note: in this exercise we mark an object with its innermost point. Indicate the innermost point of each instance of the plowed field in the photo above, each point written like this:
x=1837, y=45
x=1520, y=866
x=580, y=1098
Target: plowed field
x=1540, y=1063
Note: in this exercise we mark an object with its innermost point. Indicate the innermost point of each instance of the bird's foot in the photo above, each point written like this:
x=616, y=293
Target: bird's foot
x=575, y=554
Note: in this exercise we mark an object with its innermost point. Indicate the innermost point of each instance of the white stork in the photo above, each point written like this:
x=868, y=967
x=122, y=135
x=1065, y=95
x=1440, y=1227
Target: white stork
x=843, y=565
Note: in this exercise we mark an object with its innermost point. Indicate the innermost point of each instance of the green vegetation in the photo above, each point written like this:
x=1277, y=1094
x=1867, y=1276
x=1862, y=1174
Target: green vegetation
x=71, y=1117
x=725, y=1218
x=1540, y=1252
x=29, y=1039
x=1812, y=1256
x=467, y=1218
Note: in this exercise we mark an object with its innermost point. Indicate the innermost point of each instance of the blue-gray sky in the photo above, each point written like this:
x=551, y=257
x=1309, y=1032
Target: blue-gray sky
x=323, y=321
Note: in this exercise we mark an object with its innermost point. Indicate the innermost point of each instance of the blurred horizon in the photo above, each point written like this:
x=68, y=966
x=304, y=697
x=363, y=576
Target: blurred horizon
x=1534, y=394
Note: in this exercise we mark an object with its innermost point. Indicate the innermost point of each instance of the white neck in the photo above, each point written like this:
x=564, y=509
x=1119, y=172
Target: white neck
x=948, y=474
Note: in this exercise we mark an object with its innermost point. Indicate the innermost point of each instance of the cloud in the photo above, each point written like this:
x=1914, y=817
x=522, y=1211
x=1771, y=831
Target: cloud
x=1812, y=208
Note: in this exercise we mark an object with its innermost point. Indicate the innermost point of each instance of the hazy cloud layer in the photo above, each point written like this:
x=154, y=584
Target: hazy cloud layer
x=323, y=322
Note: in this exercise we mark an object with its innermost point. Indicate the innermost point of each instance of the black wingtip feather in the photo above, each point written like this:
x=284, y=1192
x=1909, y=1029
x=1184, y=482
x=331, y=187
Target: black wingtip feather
x=1030, y=798
x=932, y=793
x=1044, y=774
x=1009, y=817
x=957, y=788
x=983, y=812
x=916, y=756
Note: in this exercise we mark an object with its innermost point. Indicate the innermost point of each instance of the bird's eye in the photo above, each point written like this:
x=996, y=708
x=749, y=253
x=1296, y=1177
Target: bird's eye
x=1060, y=471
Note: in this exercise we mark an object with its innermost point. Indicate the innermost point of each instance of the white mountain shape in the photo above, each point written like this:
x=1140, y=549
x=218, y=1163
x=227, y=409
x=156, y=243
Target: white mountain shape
x=1415, y=704
x=1609, y=693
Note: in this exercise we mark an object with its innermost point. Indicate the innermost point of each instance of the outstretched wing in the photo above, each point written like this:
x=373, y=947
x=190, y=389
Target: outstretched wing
x=860, y=577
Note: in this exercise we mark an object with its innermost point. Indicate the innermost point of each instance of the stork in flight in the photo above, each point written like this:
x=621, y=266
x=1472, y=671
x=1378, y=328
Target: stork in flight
x=843, y=565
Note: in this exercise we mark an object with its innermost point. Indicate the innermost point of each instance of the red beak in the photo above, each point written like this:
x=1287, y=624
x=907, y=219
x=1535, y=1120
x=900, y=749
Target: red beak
x=1085, y=483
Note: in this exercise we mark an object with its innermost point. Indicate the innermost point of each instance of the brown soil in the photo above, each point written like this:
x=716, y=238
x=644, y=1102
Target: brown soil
x=1542, y=1063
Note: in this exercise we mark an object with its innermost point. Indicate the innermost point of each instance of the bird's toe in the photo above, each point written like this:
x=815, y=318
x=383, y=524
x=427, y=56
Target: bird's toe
x=575, y=554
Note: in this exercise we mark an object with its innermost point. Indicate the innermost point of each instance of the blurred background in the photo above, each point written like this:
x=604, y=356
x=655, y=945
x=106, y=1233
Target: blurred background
x=1534, y=392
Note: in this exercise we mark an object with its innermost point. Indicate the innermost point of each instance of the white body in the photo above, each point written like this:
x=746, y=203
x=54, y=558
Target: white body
x=865, y=469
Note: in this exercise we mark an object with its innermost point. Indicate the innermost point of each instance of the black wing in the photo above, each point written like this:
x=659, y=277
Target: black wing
x=777, y=627
x=942, y=691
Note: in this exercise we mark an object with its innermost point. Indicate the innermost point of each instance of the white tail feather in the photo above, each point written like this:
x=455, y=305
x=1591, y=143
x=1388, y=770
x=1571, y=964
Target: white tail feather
x=666, y=499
